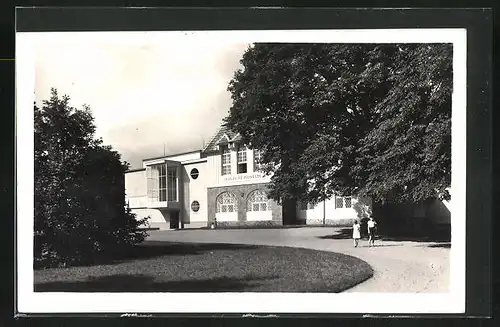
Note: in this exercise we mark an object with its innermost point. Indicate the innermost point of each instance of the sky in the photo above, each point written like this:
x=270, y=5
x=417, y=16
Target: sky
x=147, y=99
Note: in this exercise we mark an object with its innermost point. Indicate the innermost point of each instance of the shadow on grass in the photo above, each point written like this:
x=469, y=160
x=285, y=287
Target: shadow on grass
x=161, y=248
x=144, y=283
x=153, y=249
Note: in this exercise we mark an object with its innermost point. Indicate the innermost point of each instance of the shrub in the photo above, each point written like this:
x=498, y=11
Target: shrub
x=80, y=212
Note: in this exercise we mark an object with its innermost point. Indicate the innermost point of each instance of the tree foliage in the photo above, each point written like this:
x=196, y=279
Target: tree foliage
x=80, y=210
x=364, y=119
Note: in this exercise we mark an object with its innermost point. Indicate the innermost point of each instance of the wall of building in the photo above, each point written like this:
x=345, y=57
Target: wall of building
x=438, y=212
x=433, y=211
x=136, y=189
x=157, y=218
x=210, y=183
x=315, y=213
x=137, y=199
x=185, y=156
x=423, y=218
x=214, y=166
x=195, y=190
x=240, y=219
x=326, y=213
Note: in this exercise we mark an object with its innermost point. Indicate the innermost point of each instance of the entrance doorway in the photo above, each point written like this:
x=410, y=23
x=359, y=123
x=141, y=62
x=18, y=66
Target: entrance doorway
x=174, y=220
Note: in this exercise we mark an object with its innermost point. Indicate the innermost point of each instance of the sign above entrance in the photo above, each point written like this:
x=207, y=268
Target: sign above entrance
x=240, y=178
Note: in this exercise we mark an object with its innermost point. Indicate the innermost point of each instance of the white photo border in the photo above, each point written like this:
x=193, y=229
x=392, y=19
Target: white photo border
x=379, y=303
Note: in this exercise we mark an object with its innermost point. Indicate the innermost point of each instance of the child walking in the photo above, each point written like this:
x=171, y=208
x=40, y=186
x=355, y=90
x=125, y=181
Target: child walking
x=356, y=233
x=371, y=231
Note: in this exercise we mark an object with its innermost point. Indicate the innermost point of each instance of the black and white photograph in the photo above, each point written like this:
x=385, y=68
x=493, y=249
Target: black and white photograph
x=242, y=171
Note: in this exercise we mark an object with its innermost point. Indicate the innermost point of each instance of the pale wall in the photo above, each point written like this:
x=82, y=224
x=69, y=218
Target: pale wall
x=185, y=156
x=156, y=216
x=216, y=179
x=136, y=189
x=326, y=211
x=136, y=196
x=240, y=217
x=316, y=213
x=195, y=189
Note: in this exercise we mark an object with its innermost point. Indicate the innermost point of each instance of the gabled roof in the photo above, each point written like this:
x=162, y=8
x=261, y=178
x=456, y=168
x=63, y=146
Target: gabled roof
x=224, y=139
x=223, y=136
x=236, y=138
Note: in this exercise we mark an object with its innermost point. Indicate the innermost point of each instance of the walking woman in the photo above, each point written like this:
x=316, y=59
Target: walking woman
x=356, y=233
x=371, y=231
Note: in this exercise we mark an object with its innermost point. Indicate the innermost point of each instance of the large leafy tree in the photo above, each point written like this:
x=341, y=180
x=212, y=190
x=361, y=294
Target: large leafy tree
x=408, y=153
x=269, y=103
x=80, y=210
x=362, y=119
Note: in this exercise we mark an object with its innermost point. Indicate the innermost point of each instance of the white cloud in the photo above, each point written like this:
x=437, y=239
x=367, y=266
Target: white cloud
x=143, y=95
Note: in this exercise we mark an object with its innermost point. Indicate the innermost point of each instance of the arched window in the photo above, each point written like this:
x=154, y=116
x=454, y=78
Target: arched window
x=258, y=201
x=226, y=202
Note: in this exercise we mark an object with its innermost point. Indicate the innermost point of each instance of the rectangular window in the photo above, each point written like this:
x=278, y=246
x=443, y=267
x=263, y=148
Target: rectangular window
x=172, y=183
x=339, y=202
x=162, y=187
x=226, y=161
x=343, y=202
x=347, y=202
x=151, y=183
x=257, y=157
x=242, y=160
x=156, y=183
x=306, y=206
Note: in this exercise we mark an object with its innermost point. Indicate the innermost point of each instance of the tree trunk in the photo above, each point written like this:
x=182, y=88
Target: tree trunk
x=289, y=211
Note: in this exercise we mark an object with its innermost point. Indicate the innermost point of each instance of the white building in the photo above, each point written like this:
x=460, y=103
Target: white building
x=221, y=182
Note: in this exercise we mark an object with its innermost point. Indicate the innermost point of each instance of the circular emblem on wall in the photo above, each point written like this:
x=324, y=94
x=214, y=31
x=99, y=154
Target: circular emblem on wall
x=194, y=173
x=195, y=206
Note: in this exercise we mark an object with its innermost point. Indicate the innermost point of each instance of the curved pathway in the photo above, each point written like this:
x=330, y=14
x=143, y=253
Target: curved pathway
x=398, y=266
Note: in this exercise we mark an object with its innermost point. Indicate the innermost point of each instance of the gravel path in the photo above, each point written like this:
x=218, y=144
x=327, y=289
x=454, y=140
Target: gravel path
x=410, y=267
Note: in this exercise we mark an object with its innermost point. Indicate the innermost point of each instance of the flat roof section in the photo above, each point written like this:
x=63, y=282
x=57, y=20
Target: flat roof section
x=193, y=161
x=135, y=170
x=171, y=155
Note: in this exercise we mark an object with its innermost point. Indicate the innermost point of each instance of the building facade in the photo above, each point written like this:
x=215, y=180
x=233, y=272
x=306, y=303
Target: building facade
x=221, y=183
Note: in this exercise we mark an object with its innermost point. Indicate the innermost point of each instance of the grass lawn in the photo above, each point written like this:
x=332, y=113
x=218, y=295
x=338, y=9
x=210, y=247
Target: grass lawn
x=202, y=267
